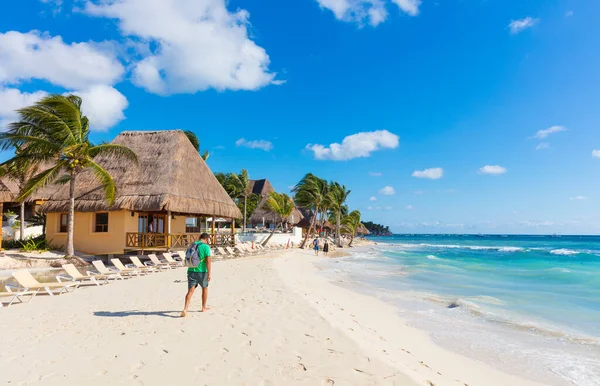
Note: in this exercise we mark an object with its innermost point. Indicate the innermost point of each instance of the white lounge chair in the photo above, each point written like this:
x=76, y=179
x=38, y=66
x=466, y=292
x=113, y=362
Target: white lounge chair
x=15, y=294
x=75, y=275
x=169, y=258
x=138, y=264
x=29, y=283
x=222, y=252
x=123, y=270
x=232, y=252
x=100, y=267
x=157, y=263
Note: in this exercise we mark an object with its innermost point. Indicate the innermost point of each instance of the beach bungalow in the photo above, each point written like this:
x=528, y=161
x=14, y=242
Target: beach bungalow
x=155, y=201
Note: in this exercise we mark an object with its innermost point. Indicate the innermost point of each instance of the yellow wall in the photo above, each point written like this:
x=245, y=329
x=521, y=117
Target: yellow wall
x=94, y=243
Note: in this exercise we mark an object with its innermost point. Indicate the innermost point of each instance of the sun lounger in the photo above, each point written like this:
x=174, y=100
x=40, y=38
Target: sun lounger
x=75, y=275
x=157, y=263
x=138, y=264
x=222, y=252
x=232, y=252
x=29, y=283
x=169, y=258
x=123, y=270
x=15, y=294
x=100, y=267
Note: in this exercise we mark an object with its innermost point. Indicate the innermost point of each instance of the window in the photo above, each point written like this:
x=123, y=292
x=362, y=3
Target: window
x=191, y=225
x=64, y=220
x=101, y=223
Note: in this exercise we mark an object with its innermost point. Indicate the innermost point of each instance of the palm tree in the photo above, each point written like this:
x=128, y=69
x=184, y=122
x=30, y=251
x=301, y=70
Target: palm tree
x=283, y=206
x=351, y=223
x=242, y=187
x=55, y=132
x=338, y=194
x=196, y=143
x=309, y=195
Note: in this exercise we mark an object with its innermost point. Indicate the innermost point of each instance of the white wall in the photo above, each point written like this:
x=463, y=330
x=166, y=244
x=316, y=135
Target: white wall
x=278, y=238
x=13, y=234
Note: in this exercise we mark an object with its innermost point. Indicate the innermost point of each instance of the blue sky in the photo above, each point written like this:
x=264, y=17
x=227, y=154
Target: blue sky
x=417, y=86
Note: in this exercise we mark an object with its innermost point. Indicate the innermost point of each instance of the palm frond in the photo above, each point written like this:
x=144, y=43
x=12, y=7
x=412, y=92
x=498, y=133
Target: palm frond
x=41, y=180
x=109, y=149
x=110, y=190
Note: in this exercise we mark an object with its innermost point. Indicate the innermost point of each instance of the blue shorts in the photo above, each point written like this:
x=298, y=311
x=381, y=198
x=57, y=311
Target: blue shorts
x=316, y=248
x=196, y=279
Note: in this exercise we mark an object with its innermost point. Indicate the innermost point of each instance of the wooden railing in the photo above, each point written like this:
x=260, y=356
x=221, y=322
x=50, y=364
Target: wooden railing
x=177, y=240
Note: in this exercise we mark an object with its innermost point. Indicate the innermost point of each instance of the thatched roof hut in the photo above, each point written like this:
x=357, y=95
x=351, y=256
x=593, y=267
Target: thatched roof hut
x=170, y=176
x=270, y=217
x=5, y=194
x=307, y=216
x=261, y=187
x=13, y=187
x=362, y=230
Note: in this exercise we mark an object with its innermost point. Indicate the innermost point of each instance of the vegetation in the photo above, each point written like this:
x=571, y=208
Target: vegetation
x=251, y=205
x=338, y=194
x=283, y=206
x=377, y=229
x=237, y=187
x=311, y=193
x=32, y=244
x=196, y=143
x=241, y=185
x=351, y=224
x=54, y=132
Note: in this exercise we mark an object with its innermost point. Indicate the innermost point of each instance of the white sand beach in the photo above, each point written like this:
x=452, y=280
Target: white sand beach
x=274, y=321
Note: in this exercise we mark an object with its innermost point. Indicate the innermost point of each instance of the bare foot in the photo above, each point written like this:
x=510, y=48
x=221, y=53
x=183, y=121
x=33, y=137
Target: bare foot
x=205, y=309
x=183, y=314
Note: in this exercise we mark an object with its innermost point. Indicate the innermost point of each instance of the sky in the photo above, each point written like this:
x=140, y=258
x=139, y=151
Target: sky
x=441, y=116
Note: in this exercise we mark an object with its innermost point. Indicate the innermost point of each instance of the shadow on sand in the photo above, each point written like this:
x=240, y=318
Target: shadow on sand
x=123, y=314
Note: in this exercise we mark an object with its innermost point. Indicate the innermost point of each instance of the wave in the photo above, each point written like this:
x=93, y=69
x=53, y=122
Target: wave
x=564, y=252
x=433, y=257
x=471, y=247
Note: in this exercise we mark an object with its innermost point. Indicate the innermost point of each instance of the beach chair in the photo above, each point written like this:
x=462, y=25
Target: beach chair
x=75, y=275
x=29, y=283
x=101, y=268
x=169, y=258
x=233, y=253
x=157, y=263
x=138, y=264
x=222, y=252
x=14, y=294
x=242, y=249
x=123, y=270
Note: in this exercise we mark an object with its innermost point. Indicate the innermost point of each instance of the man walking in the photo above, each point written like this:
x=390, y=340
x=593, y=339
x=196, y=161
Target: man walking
x=200, y=275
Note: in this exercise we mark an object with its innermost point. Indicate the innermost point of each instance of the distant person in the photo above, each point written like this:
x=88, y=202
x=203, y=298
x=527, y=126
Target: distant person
x=326, y=248
x=200, y=275
x=316, y=246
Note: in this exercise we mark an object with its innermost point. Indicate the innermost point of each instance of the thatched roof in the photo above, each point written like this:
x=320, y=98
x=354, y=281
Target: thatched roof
x=307, y=216
x=5, y=194
x=170, y=176
x=261, y=187
x=270, y=217
x=41, y=194
x=362, y=230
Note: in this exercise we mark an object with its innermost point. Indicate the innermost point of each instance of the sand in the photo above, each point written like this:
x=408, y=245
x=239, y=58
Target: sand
x=274, y=321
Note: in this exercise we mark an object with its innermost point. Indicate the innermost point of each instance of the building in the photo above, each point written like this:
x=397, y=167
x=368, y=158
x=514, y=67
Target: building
x=156, y=198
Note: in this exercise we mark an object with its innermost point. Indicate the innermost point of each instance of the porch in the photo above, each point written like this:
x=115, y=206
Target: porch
x=136, y=241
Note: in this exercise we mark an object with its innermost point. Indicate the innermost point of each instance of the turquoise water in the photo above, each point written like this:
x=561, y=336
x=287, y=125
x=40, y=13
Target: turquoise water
x=527, y=304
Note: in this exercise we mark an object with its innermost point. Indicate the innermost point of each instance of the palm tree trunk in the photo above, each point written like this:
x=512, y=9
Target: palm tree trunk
x=22, y=222
x=70, y=224
x=351, y=240
x=245, y=213
x=264, y=243
x=338, y=233
x=1, y=231
x=310, y=229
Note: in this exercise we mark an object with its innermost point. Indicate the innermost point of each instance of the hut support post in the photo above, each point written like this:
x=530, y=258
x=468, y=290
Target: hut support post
x=233, y=231
x=1, y=214
x=214, y=235
x=169, y=229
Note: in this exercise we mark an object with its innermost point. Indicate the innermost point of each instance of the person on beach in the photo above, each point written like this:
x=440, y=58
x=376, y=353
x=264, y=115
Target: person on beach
x=316, y=246
x=200, y=275
x=326, y=248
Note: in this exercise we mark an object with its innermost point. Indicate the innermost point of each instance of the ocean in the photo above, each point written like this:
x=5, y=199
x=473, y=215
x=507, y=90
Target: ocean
x=528, y=305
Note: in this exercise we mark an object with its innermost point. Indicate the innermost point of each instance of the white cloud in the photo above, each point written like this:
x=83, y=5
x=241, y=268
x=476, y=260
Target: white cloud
x=520, y=25
x=103, y=105
x=11, y=100
x=372, y=11
x=409, y=6
x=569, y=13
x=432, y=174
x=35, y=55
x=543, y=145
x=196, y=45
x=356, y=146
x=492, y=169
x=373, y=198
x=256, y=144
x=535, y=224
x=541, y=134
x=388, y=208
x=387, y=191
x=596, y=153
x=375, y=174
x=578, y=198
x=409, y=207
x=370, y=208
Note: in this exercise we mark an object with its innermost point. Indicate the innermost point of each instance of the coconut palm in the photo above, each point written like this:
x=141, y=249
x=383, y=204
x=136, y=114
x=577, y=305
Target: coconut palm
x=196, y=143
x=351, y=224
x=309, y=194
x=283, y=206
x=54, y=132
x=241, y=183
x=338, y=194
